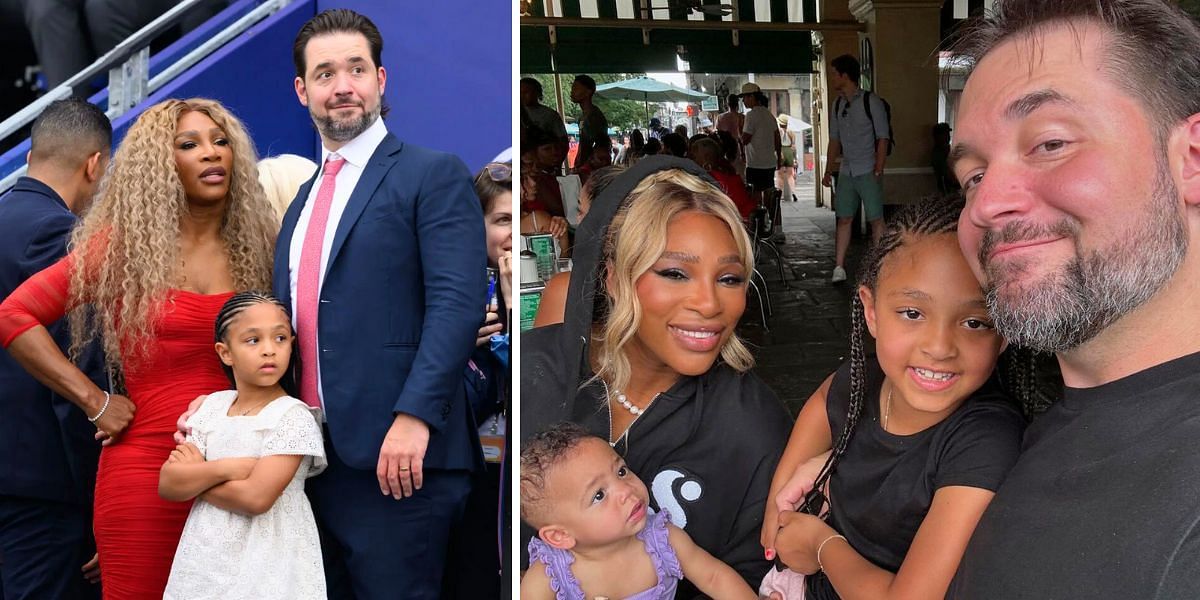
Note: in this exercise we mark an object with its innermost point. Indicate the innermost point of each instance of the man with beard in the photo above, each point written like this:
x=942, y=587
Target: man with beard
x=382, y=259
x=1085, y=255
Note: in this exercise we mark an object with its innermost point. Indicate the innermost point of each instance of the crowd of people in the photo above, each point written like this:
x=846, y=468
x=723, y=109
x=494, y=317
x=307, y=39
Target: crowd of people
x=298, y=372
x=921, y=469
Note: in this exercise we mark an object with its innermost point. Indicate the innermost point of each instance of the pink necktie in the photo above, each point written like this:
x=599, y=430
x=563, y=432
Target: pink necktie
x=308, y=281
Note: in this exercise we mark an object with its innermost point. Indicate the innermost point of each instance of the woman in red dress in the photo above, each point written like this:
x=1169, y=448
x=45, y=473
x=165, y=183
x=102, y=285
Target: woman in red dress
x=180, y=223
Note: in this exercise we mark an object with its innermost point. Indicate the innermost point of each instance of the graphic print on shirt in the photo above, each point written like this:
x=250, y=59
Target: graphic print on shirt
x=672, y=489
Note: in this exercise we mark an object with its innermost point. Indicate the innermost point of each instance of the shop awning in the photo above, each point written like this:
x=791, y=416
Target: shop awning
x=617, y=36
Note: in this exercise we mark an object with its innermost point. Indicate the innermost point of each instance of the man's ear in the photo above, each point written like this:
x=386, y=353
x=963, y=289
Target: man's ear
x=868, y=302
x=91, y=168
x=1187, y=140
x=224, y=353
x=382, y=80
x=301, y=91
x=557, y=537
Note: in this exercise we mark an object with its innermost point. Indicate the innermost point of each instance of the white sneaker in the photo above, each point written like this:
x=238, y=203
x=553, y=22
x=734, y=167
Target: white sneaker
x=839, y=274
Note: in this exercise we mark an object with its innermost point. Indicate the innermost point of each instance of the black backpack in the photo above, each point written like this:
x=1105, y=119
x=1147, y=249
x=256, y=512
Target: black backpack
x=887, y=109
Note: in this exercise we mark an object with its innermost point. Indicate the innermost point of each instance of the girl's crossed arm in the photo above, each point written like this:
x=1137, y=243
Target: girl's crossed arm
x=257, y=493
x=186, y=474
x=708, y=574
x=927, y=568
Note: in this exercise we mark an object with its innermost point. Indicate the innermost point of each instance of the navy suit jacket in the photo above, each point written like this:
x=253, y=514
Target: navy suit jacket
x=46, y=446
x=401, y=302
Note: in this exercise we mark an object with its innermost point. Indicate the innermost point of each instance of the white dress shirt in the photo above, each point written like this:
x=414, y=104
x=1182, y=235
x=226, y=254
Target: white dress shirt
x=357, y=153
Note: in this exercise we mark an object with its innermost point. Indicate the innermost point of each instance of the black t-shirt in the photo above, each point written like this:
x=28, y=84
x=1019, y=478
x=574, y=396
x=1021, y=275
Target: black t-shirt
x=1104, y=500
x=884, y=484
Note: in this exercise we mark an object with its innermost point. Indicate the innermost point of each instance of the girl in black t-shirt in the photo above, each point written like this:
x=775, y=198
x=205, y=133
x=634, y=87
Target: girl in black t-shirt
x=923, y=435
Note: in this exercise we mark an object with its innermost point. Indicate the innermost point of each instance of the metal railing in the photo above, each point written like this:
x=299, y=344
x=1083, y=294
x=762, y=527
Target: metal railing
x=128, y=66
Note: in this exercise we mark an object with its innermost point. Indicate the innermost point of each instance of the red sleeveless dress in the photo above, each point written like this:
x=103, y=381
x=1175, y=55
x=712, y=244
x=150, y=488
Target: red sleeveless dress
x=136, y=531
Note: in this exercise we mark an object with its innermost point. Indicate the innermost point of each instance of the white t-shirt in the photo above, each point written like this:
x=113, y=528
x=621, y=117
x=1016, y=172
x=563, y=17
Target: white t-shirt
x=760, y=152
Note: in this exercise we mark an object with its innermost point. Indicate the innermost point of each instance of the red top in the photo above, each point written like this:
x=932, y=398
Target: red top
x=733, y=187
x=136, y=531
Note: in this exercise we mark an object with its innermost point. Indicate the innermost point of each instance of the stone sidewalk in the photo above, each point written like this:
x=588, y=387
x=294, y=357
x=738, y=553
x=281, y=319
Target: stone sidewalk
x=808, y=334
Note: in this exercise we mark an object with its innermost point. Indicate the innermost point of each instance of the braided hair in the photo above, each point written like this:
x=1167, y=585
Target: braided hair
x=911, y=222
x=290, y=382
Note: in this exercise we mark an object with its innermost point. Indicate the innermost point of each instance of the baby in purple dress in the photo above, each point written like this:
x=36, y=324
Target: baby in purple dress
x=596, y=535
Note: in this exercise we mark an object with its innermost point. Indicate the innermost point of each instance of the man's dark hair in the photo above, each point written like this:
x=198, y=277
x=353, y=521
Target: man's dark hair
x=338, y=20
x=731, y=100
x=587, y=82
x=1153, y=55
x=675, y=144
x=847, y=65
x=537, y=86
x=68, y=132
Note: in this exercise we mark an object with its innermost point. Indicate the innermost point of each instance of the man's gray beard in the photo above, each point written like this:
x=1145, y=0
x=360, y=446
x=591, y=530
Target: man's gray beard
x=345, y=131
x=1066, y=309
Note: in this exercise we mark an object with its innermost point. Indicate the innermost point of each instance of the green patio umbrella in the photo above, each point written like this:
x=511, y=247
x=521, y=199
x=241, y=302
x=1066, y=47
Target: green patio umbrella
x=648, y=90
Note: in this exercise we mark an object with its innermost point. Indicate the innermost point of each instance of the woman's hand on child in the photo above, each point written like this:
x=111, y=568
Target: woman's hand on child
x=181, y=426
x=800, y=536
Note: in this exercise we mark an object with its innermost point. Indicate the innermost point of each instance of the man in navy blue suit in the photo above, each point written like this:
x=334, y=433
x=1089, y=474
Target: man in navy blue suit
x=382, y=258
x=48, y=454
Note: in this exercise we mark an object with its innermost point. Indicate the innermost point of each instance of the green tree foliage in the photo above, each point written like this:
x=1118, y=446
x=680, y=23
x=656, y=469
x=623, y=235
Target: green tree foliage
x=621, y=114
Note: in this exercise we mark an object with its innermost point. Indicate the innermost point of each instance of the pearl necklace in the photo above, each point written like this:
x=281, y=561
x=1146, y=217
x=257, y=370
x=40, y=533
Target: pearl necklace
x=623, y=400
x=629, y=406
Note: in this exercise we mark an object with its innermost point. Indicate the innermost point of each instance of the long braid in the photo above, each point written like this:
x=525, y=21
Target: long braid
x=910, y=222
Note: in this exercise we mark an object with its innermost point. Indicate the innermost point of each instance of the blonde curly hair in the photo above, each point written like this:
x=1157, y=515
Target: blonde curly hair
x=127, y=246
x=636, y=239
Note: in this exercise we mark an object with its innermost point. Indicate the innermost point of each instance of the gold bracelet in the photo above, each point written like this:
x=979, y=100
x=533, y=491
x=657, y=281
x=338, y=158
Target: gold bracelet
x=822, y=545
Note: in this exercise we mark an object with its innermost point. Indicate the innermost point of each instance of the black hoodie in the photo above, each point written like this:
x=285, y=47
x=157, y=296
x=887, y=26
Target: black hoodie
x=706, y=448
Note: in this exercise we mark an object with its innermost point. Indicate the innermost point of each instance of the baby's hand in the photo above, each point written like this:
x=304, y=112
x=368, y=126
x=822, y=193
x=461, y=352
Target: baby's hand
x=789, y=498
x=800, y=484
x=186, y=453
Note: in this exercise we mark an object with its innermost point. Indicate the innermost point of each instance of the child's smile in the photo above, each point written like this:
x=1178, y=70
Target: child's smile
x=934, y=337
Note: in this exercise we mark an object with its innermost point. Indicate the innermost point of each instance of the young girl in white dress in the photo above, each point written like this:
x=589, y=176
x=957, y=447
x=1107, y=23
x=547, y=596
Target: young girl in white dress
x=251, y=532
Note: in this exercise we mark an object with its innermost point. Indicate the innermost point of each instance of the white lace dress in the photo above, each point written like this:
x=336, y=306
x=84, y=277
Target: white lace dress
x=228, y=556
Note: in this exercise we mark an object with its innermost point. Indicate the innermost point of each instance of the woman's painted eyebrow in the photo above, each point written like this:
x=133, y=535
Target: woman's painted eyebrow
x=692, y=258
x=217, y=131
x=680, y=256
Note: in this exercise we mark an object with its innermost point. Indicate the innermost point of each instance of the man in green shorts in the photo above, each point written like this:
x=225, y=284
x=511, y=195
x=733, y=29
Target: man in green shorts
x=860, y=138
